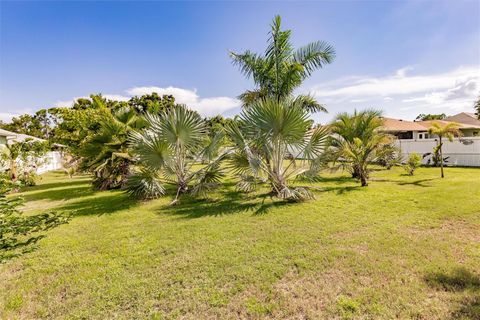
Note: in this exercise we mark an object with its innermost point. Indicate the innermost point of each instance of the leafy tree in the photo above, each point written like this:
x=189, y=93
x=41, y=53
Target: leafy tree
x=414, y=161
x=270, y=138
x=152, y=103
x=72, y=125
x=37, y=125
x=357, y=141
x=18, y=232
x=282, y=69
x=425, y=117
x=217, y=124
x=166, y=152
x=449, y=131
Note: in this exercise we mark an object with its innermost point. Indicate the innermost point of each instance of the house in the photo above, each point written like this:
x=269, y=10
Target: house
x=53, y=160
x=6, y=136
x=413, y=137
x=465, y=118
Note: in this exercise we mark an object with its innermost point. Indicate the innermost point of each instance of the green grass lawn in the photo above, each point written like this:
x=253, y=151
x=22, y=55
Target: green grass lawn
x=404, y=247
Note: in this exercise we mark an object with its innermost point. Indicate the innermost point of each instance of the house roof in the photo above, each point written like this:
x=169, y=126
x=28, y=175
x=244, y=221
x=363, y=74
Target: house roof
x=395, y=125
x=5, y=133
x=464, y=121
x=17, y=137
x=464, y=118
x=461, y=125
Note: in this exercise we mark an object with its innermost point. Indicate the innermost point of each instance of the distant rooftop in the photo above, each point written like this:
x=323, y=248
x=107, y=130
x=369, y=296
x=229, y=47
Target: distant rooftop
x=464, y=120
x=464, y=117
x=395, y=125
x=17, y=137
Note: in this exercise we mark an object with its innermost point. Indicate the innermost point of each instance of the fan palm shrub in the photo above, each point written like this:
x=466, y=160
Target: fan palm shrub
x=449, y=131
x=274, y=144
x=357, y=142
x=282, y=69
x=169, y=151
x=105, y=152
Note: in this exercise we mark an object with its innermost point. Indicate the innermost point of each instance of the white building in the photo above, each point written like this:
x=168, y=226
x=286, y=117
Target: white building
x=413, y=137
x=52, y=160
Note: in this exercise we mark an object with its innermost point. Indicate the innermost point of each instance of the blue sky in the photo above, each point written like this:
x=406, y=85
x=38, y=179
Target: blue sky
x=405, y=57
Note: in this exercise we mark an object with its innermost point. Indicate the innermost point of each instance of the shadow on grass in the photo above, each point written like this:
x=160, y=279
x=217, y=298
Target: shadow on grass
x=67, y=182
x=104, y=202
x=82, y=199
x=71, y=191
x=340, y=190
x=336, y=180
x=231, y=202
x=459, y=280
x=418, y=182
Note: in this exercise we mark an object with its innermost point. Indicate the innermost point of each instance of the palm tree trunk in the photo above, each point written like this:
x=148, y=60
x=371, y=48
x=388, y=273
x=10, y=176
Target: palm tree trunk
x=363, y=176
x=441, y=155
x=363, y=180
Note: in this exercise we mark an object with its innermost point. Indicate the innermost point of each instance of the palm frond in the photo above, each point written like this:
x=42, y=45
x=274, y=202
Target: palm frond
x=314, y=55
x=145, y=184
x=310, y=104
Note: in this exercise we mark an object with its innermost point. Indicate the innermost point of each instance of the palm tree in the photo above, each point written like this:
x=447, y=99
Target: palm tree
x=477, y=107
x=282, y=69
x=269, y=139
x=346, y=127
x=105, y=153
x=169, y=151
x=449, y=131
x=357, y=141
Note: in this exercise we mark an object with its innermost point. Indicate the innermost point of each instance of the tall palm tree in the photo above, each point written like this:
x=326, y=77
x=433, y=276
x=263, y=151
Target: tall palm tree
x=274, y=144
x=477, y=107
x=357, y=141
x=282, y=69
x=449, y=131
x=169, y=151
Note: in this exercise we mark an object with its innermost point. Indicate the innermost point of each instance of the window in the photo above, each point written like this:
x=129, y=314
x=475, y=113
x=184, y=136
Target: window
x=475, y=133
x=423, y=136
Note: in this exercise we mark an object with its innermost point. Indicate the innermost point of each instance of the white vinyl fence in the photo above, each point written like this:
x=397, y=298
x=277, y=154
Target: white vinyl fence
x=461, y=152
x=53, y=160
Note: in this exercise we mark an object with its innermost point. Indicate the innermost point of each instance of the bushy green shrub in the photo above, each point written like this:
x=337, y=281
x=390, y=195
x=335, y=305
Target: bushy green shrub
x=19, y=233
x=414, y=161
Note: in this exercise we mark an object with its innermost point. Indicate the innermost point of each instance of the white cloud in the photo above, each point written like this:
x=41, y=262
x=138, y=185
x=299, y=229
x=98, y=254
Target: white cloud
x=205, y=106
x=117, y=97
x=7, y=116
x=403, y=71
x=69, y=103
x=397, y=84
x=403, y=93
x=65, y=103
x=358, y=100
